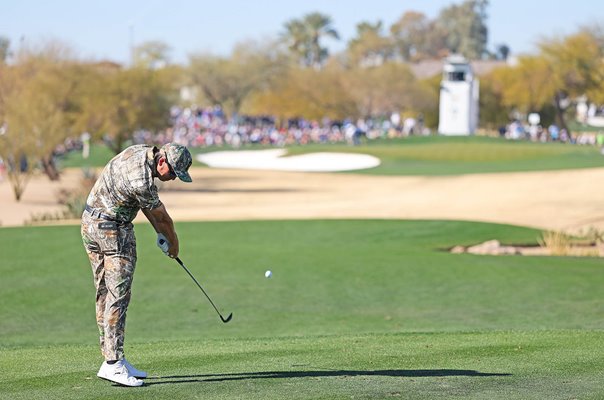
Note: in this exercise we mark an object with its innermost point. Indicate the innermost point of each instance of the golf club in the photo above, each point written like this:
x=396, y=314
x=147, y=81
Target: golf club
x=225, y=320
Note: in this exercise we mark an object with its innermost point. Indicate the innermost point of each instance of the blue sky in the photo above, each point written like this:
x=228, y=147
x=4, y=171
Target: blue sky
x=105, y=29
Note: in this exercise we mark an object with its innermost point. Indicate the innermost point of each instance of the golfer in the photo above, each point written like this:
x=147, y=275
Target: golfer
x=126, y=186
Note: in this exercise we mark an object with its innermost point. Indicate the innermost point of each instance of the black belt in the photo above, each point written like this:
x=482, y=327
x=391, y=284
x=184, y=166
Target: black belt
x=97, y=214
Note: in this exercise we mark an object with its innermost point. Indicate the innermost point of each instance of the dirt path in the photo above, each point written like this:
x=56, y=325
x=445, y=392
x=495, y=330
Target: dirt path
x=549, y=200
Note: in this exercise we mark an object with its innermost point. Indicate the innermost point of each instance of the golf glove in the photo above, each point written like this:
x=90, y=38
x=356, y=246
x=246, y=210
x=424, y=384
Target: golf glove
x=162, y=243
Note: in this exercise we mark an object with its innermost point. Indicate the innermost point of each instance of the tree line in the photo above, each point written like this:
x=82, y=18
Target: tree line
x=47, y=94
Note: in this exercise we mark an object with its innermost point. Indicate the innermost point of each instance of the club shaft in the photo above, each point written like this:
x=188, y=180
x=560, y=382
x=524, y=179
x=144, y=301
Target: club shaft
x=201, y=288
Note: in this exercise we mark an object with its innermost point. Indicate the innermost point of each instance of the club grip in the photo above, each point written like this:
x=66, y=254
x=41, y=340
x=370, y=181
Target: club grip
x=163, y=243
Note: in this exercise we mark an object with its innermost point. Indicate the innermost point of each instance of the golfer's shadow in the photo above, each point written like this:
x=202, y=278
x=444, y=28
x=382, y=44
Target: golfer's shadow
x=405, y=373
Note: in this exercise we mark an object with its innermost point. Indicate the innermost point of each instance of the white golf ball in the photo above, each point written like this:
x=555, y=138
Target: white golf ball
x=268, y=274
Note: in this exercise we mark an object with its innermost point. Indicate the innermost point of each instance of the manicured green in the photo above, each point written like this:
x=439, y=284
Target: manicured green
x=363, y=309
x=433, y=155
x=441, y=155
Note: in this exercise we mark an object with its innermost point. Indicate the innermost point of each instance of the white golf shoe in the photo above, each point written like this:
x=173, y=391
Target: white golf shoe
x=137, y=373
x=118, y=373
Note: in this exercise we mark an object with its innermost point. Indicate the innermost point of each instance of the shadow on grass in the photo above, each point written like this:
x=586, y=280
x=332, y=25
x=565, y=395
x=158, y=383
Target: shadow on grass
x=409, y=373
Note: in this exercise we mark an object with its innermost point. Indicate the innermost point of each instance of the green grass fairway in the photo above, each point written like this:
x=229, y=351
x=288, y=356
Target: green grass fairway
x=99, y=155
x=355, y=309
x=434, y=155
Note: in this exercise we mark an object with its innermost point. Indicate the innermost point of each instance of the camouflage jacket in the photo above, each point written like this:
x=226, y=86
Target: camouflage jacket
x=126, y=184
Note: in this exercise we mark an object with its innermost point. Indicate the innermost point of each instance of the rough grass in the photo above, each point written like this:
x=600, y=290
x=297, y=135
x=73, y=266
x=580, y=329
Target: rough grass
x=363, y=309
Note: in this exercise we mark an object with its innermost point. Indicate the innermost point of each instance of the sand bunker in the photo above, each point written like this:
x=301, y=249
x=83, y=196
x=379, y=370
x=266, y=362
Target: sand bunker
x=569, y=201
x=273, y=159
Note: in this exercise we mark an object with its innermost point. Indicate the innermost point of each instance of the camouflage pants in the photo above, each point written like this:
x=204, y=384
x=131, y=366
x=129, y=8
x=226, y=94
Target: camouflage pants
x=111, y=249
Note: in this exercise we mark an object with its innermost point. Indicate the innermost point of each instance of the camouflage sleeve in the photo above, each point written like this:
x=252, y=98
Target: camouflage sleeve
x=147, y=197
x=141, y=188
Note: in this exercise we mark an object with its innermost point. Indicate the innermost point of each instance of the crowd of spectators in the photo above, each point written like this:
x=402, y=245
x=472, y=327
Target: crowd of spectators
x=516, y=130
x=208, y=127
x=205, y=127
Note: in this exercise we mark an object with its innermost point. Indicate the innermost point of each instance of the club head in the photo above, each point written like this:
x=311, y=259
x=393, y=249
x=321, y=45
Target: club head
x=227, y=319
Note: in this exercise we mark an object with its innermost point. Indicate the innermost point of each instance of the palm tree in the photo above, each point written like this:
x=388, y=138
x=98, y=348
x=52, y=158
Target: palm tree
x=319, y=25
x=297, y=39
x=304, y=37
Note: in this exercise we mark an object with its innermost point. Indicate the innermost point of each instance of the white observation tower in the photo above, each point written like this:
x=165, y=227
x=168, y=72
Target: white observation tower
x=458, y=111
